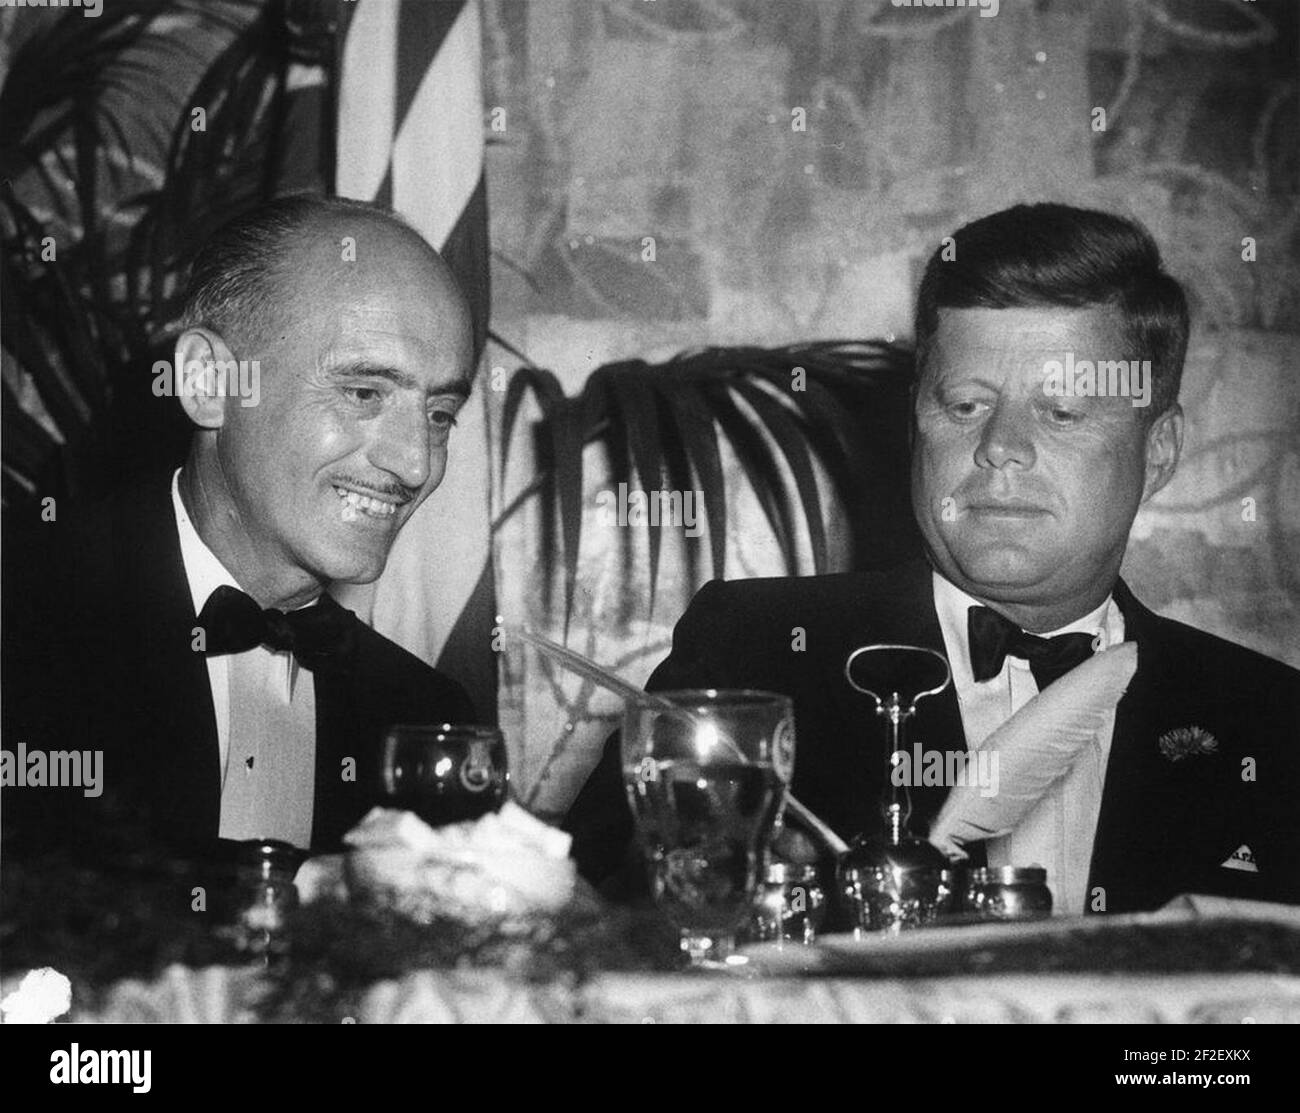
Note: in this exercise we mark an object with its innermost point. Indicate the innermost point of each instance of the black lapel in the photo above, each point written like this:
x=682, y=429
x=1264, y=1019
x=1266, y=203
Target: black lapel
x=345, y=772
x=1160, y=821
x=169, y=731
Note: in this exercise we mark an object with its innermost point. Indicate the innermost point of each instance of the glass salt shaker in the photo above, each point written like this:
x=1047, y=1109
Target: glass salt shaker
x=791, y=906
x=264, y=893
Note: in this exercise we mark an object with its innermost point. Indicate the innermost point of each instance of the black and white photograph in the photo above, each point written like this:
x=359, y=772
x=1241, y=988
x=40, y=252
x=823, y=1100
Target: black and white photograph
x=650, y=512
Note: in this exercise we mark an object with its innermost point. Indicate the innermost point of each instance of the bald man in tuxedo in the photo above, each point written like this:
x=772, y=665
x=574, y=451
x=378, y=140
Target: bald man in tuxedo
x=183, y=628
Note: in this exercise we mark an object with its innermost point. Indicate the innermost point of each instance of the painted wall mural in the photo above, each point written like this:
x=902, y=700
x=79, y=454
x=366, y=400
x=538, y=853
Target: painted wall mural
x=687, y=173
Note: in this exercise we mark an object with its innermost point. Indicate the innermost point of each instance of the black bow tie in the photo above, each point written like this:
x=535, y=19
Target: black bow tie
x=994, y=638
x=321, y=637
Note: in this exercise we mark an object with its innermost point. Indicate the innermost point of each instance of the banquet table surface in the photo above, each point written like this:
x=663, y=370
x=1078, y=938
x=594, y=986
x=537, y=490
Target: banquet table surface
x=226, y=995
x=137, y=952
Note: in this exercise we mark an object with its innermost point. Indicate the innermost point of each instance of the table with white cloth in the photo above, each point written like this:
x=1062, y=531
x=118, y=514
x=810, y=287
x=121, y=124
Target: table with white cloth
x=1199, y=960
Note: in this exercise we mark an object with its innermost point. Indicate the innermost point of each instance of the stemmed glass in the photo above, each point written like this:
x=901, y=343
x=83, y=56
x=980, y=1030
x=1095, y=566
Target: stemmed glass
x=706, y=773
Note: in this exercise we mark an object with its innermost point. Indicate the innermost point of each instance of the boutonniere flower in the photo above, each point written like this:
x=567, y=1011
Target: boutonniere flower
x=1178, y=744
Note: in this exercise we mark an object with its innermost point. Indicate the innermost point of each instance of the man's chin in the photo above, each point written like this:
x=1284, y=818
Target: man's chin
x=366, y=575
x=1004, y=570
x=354, y=568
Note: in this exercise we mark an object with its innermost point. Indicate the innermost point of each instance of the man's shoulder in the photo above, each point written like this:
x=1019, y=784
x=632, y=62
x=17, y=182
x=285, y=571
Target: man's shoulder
x=741, y=632
x=1197, y=655
x=774, y=596
x=374, y=649
x=1203, y=645
x=381, y=662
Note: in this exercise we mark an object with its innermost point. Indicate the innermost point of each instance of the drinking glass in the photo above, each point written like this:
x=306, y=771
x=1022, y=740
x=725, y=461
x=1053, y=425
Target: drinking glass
x=706, y=773
x=445, y=773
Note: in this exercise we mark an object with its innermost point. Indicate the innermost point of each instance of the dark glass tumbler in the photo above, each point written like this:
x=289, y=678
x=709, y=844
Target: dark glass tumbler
x=445, y=773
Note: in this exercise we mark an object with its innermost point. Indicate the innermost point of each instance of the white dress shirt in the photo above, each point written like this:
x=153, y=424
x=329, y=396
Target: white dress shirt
x=276, y=678
x=1058, y=832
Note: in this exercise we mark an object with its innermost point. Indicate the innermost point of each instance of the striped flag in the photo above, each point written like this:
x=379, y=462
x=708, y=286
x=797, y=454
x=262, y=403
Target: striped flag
x=410, y=136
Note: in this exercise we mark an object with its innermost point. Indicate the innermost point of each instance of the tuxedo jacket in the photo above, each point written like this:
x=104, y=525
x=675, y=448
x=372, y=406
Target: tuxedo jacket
x=98, y=633
x=1165, y=826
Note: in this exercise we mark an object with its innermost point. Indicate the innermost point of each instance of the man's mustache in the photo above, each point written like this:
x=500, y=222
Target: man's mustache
x=398, y=492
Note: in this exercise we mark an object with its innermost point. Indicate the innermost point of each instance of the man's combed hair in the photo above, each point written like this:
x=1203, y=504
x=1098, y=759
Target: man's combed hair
x=236, y=285
x=1055, y=256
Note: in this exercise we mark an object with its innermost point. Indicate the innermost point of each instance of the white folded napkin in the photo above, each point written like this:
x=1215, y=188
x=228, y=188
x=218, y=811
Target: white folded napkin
x=504, y=864
x=1036, y=747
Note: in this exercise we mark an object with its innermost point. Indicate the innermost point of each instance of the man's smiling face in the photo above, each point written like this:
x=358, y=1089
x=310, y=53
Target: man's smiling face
x=361, y=385
x=1024, y=498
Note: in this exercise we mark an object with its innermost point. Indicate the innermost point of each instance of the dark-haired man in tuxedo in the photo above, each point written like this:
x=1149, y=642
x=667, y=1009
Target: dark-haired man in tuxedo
x=183, y=628
x=1025, y=482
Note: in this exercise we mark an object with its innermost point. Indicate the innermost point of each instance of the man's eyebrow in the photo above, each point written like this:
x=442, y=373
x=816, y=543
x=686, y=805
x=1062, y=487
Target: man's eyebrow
x=942, y=383
x=363, y=369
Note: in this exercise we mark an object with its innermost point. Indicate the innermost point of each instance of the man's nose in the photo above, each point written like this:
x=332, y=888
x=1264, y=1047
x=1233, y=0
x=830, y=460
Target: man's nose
x=1007, y=438
x=402, y=446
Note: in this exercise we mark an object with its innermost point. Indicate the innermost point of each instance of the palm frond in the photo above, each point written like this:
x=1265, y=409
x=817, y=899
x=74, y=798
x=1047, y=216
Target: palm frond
x=793, y=441
x=665, y=423
x=212, y=174
x=760, y=468
x=696, y=443
x=49, y=335
x=81, y=326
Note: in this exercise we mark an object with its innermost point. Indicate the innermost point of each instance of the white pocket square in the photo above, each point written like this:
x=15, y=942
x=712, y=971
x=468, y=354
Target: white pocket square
x=1243, y=858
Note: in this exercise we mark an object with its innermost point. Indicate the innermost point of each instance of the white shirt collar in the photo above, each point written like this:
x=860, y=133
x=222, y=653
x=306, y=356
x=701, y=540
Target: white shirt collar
x=205, y=573
x=953, y=605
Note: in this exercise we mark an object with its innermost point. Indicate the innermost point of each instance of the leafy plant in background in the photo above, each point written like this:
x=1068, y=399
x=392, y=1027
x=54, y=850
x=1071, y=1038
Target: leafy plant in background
x=82, y=328
x=662, y=426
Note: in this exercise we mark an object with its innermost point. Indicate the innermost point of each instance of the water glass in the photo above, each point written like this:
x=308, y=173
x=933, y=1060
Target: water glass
x=706, y=773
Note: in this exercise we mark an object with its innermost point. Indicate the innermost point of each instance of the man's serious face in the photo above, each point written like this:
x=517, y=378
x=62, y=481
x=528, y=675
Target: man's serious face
x=359, y=397
x=1023, y=496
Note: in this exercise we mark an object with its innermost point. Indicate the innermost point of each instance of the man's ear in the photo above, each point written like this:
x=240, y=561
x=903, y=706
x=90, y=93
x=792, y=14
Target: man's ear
x=913, y=393
x=1164, y=446
x=202, y=358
